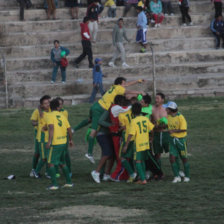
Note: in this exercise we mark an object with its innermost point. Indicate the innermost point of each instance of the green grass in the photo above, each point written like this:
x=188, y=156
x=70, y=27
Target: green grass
x=25, y=200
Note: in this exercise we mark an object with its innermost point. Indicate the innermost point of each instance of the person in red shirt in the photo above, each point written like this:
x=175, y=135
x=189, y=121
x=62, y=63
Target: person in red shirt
x=86, y=44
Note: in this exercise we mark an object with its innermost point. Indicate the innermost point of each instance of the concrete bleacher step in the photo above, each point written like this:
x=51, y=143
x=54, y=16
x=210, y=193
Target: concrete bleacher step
x=134, y=59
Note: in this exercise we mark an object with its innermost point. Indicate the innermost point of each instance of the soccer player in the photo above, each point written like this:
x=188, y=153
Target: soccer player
x=98, y=108
x=34, y=119
x=139, y=130
x=177, y=128
x=161, y=136
x=146, y=105
x=42, y=131
x=58, y=127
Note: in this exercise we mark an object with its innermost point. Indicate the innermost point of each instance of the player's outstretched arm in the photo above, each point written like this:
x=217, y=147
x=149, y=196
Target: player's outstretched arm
x=124, y=149
x=131, y=83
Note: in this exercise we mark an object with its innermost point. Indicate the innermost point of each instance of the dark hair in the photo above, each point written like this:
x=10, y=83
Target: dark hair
x=119, y=99
x=60, y=99
x=120, y=19
x=173, y=110
x=85, y=19
x=54, y=104
x=134, y=99
x=136, y=109
x=161, y=95
x=56, y=41
x=147, y=99
x=45, y=97
x=127, y=102
x=119, y=80
x=139, y=8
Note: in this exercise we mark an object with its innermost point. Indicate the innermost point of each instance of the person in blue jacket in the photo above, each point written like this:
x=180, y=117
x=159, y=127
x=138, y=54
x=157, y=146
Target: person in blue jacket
x=217, y=28
x=97, y=80
x=56, y=59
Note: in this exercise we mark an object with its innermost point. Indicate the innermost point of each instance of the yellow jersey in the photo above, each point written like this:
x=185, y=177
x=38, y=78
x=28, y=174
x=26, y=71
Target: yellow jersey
x=140, y=128
x=61, y=125
x=178, y=123
x=64, y=112
x=109, y=3
x=108, y=98
x=34, y=116
x=125, y=121
x=41, y=124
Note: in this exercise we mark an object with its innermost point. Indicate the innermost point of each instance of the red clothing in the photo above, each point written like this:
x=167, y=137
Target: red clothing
x=115, y=122
x=84, y=29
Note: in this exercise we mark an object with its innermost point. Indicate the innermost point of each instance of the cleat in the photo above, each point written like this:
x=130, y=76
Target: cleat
x=58, y=175
x=90, y=158
x=186, y=179
x=181, y=173
x=96, y=176
x=68, y=185
x=141, y=182
x=106, y=177
x=111, y=64
x=176, y=180
x=52, y=187
x=132, y=178
x=47, y=175
x=32, y=173
x=36, y=175
x=147, y=175
x=114, y=180
x=124, y=65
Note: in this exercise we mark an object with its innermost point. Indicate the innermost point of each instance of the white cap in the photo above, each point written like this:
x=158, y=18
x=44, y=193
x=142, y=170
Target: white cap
x=171, y=105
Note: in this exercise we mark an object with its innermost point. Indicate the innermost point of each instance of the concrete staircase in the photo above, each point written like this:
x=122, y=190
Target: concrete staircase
x=186, y=62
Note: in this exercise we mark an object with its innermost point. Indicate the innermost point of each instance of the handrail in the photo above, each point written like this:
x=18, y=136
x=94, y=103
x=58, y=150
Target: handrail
x=153, y=69
x=5, y=81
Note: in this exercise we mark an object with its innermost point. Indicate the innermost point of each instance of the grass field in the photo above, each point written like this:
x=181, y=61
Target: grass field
x=26, y=200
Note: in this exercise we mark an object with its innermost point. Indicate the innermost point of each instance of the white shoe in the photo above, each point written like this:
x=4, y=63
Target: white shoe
x=156, y=25
x=172, y=14
x=147, y=175
x=111, y=64
x=63, y=82
x=132, y=178
x=159, y=24
x=32, y=173
x=152, y=21
x=186, y=179
x=106, y=177
x=124, y=65
x=114, y=180
x=181, y=173
x=165, y=14
x=90, y=158
x=52, y=82
x=96, y=176
x=184, y=24
x=190, y=24
x=176, y=180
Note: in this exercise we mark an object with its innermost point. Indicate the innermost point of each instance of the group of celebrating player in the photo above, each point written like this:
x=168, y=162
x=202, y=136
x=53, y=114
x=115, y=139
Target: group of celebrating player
x=128, y=129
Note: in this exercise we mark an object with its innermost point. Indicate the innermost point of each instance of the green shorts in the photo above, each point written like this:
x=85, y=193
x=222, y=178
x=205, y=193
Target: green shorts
x=130, y=151
x=142, y=155
x=161, y=142
x=178, y=146
x=56, y=154
x=36, y=143
x=95, y=113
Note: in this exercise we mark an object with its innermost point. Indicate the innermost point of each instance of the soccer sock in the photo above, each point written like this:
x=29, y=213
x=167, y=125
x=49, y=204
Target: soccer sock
x=66, y=173
x=175, y=169
x=91, y=144
x=159, y=162
x=81, y=124
x=140, y=171
x=39, y=166
x=143, y=166
x=187, y=169
x=35, y=161
x=68, y=161
x=178, y=162
x=56, y=169
x=53, y=175
x=127, y=166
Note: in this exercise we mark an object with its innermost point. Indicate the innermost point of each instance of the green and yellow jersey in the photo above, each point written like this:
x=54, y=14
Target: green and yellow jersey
x=177, y=122
x=61, y=125
x=125, y=121
x=140, y=128
x=64, y=112
x=41, y=124
x=34, y=117
x=108, y=98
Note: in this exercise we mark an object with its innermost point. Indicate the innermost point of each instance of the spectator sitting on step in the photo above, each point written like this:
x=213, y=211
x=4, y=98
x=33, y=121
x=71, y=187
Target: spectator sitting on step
x=112, y=8
x=184, y=9
x=51, y=8
x=92, y=13
x=141, y=29
x=118, y=36
x=97, y=80
x=56, y=59
x=156, y=9
x=128, y=5
x=73, y=5
x=217, y=27
x=218, y=7
x=167, y=7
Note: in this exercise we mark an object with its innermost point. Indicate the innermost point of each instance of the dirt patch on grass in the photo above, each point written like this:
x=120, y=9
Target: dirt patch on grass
x=28, y=150
x=100, y=193
x=97, y=212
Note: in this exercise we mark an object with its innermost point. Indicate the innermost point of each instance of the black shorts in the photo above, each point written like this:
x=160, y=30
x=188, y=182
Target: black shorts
x=71, y=3
x=106, y=144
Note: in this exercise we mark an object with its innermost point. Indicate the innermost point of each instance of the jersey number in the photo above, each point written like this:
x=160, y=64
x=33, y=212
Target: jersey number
x=128, y=116
x=59, y=121
x=142, y=126
x=111, y=90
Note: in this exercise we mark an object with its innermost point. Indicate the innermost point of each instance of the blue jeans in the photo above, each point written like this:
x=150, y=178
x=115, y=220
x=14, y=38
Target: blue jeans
x=98, y=87
x=55, y=71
